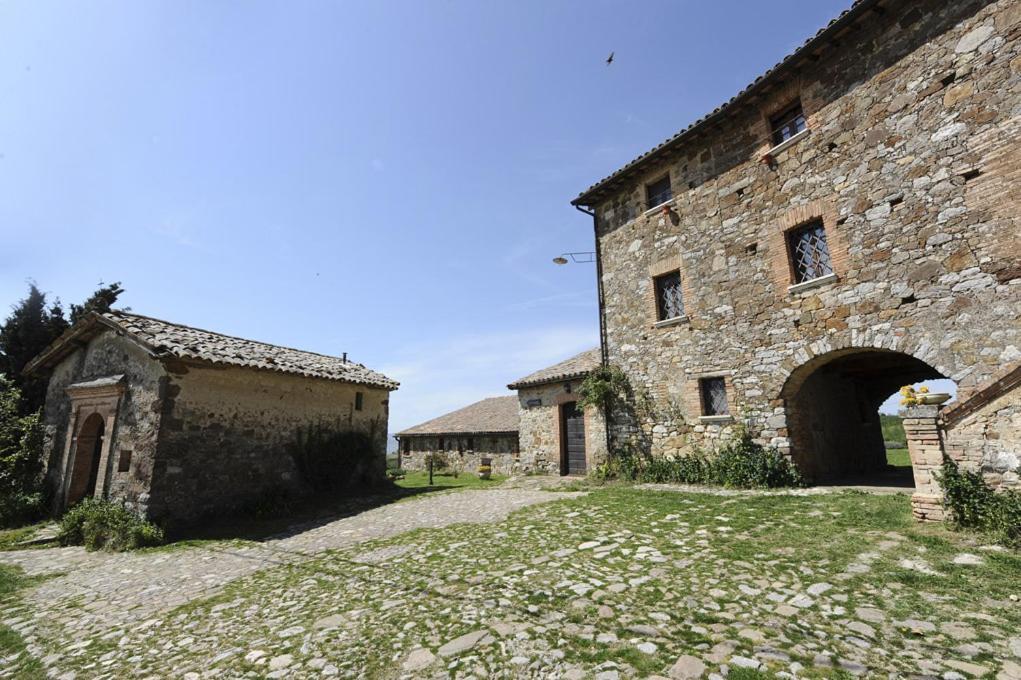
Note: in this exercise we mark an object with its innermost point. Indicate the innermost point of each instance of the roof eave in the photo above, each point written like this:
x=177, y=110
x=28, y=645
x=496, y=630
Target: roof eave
x=591, y=196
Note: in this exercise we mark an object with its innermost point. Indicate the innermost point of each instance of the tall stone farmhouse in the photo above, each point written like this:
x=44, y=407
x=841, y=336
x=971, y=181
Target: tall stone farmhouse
x=181, y=423
x=847, y=224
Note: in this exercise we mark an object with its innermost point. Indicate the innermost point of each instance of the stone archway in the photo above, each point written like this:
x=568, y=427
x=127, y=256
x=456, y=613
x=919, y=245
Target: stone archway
x=832, y=403
x=88, y=450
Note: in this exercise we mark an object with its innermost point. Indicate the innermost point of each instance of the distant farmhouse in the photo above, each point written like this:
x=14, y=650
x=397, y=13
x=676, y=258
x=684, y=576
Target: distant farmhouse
x=847, y=224
x=181, y=423
x=540, y=430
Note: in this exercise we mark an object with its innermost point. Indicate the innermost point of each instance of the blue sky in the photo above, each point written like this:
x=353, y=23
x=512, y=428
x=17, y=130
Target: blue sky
x=389, y=179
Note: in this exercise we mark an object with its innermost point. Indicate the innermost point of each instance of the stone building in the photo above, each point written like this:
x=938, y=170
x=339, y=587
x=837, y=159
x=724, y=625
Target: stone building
x=462, y=439
x=180, y=422
x=558, y=437
x=541, y=430
x=847, y=224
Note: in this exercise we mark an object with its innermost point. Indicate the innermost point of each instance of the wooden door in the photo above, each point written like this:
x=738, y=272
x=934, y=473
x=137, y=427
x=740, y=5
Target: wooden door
x=572, y=433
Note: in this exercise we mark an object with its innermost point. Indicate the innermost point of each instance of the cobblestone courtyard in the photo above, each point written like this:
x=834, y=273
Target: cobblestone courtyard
x=519, y=581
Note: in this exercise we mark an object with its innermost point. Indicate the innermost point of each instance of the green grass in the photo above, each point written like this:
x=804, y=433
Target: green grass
x=898, y=458
x=9, y=538
x=893, y=429
x=416, y=479
x=18, y=662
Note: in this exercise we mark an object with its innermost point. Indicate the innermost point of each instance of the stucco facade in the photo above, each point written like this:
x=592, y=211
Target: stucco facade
x=180, y=436
x=910, y=164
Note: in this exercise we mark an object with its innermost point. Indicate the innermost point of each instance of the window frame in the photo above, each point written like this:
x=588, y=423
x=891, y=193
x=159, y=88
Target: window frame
x=657, y=283
x=705, y=396
x=780, y=131
x=650, y=195
x=359, y=401
x=791, y=237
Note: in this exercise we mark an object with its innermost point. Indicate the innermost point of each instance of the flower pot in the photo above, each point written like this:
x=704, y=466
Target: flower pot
x=485, y=475
x=933, y=398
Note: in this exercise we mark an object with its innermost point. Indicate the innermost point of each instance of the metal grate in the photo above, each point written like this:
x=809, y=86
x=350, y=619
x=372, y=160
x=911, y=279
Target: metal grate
x=714, y=397
x=658, y=192
x=787, y=124
x=669, y=297
x=810, y=256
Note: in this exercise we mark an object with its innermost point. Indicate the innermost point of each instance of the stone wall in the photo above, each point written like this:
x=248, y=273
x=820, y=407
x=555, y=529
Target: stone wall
x=461, y=452
x=540, y=425
x=987, y=437
x=911, y=161
x=226, y=432
x=134, y=428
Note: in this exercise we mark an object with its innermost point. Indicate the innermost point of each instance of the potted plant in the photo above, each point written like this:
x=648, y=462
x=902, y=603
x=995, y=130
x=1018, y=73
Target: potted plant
x=485, y=471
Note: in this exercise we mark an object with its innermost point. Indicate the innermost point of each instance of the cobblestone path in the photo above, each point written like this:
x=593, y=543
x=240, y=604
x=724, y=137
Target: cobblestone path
x=98, y=591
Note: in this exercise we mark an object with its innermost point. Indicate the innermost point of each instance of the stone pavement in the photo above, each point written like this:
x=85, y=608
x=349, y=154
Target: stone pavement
x=98, y=591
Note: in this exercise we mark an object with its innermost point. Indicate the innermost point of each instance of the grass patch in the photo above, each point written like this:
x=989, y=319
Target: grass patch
x=9, y=538
x=893, y=428
x=18, y=663
x=898, y=458
x=418, y=479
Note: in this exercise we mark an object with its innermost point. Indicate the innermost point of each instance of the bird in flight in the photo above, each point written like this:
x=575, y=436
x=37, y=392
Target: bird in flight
x=609, y=59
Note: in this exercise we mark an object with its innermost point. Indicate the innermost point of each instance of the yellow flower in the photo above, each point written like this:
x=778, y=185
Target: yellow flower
x=923, y=389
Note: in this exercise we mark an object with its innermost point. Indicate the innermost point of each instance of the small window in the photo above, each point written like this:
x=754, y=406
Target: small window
x=407, y=446
x=787, y=124
x=714, y=397
x=810, y=256
x=658, y=192
x=471, y=444
x=440, y=447
x=359, y=400
x=124, y=462
x=669, y=298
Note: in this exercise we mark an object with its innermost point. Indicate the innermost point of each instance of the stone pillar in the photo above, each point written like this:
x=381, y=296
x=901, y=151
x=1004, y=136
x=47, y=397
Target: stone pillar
x=925, y=446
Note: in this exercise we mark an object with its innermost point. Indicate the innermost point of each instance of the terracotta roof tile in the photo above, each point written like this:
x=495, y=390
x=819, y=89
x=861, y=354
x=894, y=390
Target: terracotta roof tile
x=575, y=367
x=492, y=415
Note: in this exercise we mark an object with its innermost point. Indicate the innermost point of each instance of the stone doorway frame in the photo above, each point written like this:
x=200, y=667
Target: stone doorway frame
x=102, y=397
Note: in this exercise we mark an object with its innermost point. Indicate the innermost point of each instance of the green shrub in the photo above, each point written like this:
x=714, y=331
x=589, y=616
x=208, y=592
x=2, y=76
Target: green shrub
x=972, y=504
x=106, y=525
x=740, y=464
x=603, y=388
x=21, y=466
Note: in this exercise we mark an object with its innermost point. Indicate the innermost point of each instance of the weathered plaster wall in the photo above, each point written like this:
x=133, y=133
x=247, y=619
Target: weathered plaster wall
x=225, y=434
x=463, y=453
x=137, y=422
x=539, y=428
x=913, y=161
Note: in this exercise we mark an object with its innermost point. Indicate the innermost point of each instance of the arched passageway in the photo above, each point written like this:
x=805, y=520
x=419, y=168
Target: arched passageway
x=832, y=405
x=87, y=451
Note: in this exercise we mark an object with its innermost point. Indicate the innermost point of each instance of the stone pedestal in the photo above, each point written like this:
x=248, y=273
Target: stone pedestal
x=925, y=446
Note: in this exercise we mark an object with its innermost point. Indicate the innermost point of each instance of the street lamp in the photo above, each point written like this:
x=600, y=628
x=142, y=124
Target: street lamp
x=578, y=257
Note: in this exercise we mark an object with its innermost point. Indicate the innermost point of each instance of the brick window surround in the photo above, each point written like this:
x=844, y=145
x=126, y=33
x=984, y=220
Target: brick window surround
x=783, y=272
x=788, y=122
x=695, y=405
x=661, y=268
x=809, y=252
x=669, y=297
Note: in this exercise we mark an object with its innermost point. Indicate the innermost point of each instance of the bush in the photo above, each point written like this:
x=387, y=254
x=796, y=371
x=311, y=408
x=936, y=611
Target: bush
x=972, y=504
x=21, y=465
x=739, y=464
x=603, y=388
x=106, y=525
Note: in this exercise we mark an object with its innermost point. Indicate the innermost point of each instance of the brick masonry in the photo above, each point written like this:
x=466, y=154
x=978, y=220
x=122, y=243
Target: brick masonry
x=912, y=160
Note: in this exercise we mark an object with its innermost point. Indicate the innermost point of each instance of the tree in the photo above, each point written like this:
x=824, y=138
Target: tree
x=100, y=301
x=29, y=329
x=21, y=464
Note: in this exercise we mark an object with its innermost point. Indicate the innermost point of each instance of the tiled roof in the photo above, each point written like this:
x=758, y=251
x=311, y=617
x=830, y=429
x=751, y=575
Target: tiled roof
x=164, y=339
x=492, y=415
x=575, y=367
x=836, y=25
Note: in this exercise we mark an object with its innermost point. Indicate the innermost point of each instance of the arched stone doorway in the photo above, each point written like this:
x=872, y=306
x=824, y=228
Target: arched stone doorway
x=87, y=454
x=832, y=404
